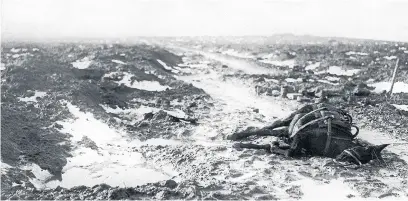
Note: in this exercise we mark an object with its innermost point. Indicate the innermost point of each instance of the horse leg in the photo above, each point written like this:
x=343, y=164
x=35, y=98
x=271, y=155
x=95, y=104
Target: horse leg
x=280, y=150
x=267, y=147
x=286, y=121
x=294, y=149
x=261, y=132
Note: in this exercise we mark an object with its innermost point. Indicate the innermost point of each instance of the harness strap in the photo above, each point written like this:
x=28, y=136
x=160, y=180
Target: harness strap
x=305, y=116
x=329, y=135
x=309, y=123
x=341, y=138
x=353, y=156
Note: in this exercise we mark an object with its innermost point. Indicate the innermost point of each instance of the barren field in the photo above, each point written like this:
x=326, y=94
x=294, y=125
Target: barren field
x=149, y=120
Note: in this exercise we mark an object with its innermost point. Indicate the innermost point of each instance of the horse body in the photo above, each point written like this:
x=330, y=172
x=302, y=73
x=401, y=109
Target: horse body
x=315, y=130
x=315, y=143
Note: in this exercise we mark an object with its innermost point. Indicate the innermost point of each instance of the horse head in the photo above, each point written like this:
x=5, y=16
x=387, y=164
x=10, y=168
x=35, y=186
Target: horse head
x=360, y=155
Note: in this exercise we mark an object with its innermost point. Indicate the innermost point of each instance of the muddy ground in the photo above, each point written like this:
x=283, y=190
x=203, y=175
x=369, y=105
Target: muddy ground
x=150, y=121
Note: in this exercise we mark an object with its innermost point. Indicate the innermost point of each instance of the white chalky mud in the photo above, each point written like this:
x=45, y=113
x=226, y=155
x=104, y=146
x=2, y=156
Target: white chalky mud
x=4, y=168
x=82, y=63
x=234, y=101
x=110, y=160
x=143, y=85
x=232, y=52
x=232, y=62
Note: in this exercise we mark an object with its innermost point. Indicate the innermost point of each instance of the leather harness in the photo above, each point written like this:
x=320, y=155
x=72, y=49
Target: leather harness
x=329, y=119
x=353, y=156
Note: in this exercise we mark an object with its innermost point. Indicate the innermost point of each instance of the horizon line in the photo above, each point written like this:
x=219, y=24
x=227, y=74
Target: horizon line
x=130, y=38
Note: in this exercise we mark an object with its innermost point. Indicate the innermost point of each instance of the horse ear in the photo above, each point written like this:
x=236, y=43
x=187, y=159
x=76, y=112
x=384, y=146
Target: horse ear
x=379, y=148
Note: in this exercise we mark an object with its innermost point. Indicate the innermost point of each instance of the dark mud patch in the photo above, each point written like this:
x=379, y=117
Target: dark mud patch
x=30, y=134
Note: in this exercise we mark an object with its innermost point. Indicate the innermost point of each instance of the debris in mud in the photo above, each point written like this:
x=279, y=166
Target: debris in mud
x=88, y=143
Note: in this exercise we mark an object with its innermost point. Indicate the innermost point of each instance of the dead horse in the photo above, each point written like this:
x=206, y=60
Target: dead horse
x=316, y=130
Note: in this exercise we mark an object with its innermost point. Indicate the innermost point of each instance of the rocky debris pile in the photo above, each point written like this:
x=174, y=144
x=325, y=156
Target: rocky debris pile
x=305, y=91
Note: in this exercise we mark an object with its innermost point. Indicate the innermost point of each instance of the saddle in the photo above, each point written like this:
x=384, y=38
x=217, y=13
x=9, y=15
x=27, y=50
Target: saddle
x=337, y=123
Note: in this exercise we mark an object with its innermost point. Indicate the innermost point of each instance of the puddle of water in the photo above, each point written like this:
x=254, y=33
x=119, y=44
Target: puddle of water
x=109, y=159
x=401, y=107
x=34, y=97
x=333, y=79
x=293, y=80
x=399, y=87
x=118, y=61
x=390, y=57
x=82, y=64
x=15, y=50
x=165, y=66
x=356, y=53
x=110, y=165
x=337, y=70
x=143, y=85
x=312, y=66
x=40, y=175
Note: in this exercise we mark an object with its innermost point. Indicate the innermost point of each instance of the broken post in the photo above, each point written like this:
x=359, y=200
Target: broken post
x=393, y=77
x=284, y=92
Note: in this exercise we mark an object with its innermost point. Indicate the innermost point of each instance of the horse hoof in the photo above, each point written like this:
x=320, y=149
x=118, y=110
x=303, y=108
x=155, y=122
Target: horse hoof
x=236, y=145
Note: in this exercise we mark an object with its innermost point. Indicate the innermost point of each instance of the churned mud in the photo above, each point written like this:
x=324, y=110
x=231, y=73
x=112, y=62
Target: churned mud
x=111, y=121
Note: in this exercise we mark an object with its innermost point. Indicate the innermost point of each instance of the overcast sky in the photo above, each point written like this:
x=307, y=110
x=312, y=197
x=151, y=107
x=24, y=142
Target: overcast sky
x=373, y=19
